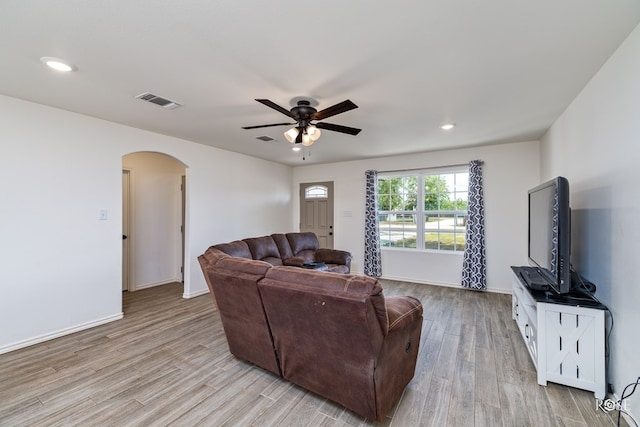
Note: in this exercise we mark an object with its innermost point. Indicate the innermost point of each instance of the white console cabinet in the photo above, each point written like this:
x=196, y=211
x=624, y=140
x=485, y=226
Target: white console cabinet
x=565, y=336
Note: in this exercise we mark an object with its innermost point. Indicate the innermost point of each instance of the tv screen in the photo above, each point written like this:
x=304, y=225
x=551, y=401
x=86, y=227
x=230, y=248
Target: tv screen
x=550, y=233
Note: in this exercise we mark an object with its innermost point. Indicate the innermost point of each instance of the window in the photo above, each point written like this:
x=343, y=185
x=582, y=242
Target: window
x=316, y=192
x=425, y=210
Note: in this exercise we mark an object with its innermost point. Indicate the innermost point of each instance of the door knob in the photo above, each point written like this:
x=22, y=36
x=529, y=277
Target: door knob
x=124, y=237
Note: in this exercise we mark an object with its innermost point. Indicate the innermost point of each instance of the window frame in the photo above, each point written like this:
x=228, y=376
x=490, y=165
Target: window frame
x=420, y=213
x=309, y=195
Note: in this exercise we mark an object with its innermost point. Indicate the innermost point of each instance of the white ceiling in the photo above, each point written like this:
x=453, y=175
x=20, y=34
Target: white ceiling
x=502, y=70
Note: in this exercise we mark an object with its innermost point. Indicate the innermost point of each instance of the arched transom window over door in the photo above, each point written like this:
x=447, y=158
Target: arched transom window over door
x=316, y=192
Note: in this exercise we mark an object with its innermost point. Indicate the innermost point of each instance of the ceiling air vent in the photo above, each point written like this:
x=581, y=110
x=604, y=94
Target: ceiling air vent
x=265, y=138
x=158, y=100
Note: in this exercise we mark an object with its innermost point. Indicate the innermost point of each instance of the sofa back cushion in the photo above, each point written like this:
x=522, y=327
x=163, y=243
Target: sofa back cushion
x=303, y=245
x=283, y=245
x=265, y=249
x=236, y=249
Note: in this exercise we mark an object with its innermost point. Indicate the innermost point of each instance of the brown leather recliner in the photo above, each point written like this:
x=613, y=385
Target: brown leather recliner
x=233, y=283
x=338, y=336
x=334, y=334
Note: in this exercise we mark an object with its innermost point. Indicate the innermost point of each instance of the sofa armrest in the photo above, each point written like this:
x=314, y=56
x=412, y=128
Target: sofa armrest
x=396, y=363
x=333, y=256
x=402, y=311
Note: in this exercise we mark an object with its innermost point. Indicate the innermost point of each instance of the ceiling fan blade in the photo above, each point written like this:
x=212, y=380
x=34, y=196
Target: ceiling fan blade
x=333, y=110
x=338, y=128
x=266, y=126
x=275, y=106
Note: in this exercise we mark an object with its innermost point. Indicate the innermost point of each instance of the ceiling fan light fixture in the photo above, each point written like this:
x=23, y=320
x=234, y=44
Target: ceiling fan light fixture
x=291, y=135
x=296, y=148
x=304, y=132
x=314, y=132
x=306, y=139
x=448, y=126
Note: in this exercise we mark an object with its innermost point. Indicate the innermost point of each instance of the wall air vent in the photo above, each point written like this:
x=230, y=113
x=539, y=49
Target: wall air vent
x=158, y=100
x=265, y=138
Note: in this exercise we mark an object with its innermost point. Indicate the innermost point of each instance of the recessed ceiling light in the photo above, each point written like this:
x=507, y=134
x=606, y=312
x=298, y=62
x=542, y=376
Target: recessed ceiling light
x=57, y=64
x=296, y=148
x=448, y=126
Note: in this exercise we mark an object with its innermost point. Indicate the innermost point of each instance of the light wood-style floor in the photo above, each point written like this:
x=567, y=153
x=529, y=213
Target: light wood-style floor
x=167, y=363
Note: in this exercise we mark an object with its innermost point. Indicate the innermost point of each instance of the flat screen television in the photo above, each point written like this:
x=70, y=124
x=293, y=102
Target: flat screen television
x=550, y=233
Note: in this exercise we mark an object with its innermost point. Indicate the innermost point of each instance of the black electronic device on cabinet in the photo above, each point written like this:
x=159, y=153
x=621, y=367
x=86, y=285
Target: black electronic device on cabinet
x=549, y=241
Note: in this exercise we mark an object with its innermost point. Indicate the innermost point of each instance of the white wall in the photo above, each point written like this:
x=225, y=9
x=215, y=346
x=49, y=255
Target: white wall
x=155, y=218
x=595, y=144
x=61, y=265
x=509, y=171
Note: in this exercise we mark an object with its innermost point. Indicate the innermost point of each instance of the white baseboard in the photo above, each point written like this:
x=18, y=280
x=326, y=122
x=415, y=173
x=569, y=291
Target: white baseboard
x=60, y=333
x=446, y=285
x=195, y=293
x=153, y=284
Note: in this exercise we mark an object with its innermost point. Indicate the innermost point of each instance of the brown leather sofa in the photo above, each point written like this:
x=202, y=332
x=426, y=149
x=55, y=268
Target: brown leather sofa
x=333, y=334
x=293, y=249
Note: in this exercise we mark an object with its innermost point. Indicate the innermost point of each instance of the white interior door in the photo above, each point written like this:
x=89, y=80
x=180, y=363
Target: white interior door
x=183, y=192
x=125, y=230
x=316, y=211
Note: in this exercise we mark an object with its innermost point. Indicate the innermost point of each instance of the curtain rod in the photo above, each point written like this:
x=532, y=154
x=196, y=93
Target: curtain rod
x=425, y=168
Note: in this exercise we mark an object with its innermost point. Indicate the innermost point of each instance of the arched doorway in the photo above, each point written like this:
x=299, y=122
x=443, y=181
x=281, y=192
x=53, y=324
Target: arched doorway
x=154, y=212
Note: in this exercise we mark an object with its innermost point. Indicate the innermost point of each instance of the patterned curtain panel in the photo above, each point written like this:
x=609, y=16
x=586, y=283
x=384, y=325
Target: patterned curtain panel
x=372, y=256
x=474, y=267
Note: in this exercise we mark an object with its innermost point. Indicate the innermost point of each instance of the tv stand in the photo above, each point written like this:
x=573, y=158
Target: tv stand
x=564, y=334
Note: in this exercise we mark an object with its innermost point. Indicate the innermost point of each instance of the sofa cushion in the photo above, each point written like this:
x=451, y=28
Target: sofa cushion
x=303, y=243
x=283, y=246
x=338, y=268
x=294, y=261
x=236, y=249
x=264, y=248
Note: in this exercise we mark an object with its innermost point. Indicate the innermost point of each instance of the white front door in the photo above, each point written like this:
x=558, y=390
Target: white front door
x=316, y=211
